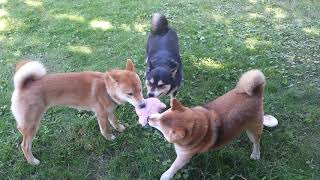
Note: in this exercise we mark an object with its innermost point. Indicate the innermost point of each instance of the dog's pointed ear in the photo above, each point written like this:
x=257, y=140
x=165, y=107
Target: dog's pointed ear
x=176, y=134
x=130, y=65
x=176, y=105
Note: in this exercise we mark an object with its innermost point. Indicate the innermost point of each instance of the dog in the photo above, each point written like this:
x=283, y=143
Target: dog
x=163, y=63
x=196, y=130
x=35, y=91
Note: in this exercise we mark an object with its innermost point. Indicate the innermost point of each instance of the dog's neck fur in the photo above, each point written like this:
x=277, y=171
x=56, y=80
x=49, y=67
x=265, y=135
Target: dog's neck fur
x=115, y=100
x=209, y=132
x=111, y=94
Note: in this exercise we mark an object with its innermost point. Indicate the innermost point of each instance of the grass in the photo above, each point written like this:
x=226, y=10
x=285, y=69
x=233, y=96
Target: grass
x=219, y=40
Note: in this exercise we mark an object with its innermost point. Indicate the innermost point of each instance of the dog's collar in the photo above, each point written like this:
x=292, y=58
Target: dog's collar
x=113, y=100
x=205, y=107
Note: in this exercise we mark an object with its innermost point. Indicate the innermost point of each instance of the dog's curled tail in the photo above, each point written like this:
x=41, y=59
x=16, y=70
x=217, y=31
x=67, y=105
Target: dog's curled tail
x=27, y=70
x=252, y=83
x=159, y=24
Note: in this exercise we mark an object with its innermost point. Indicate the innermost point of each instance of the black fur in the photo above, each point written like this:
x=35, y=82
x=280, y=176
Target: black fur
x=163, y=57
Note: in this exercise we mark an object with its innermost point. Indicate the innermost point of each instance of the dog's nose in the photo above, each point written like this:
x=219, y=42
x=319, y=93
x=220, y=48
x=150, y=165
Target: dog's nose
x=143, y=105
x=151, y=94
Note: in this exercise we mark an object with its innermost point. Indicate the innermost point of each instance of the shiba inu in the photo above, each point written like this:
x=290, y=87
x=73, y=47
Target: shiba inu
x=35, y=91
x=198, y=129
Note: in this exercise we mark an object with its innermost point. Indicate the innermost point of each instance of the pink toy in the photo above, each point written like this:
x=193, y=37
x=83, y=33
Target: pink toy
x=153, y=105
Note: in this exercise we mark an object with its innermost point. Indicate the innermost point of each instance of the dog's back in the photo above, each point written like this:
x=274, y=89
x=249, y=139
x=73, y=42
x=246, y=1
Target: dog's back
x=162, y=41
x=163, y=58
x=34, y=86
x=241, y=106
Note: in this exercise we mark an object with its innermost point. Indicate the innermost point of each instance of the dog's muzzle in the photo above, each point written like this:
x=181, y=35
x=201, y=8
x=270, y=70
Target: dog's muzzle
x=143, y=105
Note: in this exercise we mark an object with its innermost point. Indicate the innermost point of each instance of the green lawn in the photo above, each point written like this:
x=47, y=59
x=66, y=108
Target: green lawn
x=219, y=40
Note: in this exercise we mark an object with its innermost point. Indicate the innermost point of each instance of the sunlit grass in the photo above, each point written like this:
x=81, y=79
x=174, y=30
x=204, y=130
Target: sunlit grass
x=220, y=18
x=125, y=27
x=277, y=12
x=33, y=3
x=253, y=1
x=312, y=30
x=99, y=24
x=210, y=63
x=140, y=27
x=254, y=42
x=3, y=1
x=255, y=15
x=217, y=17
x=70, y=17
x=4, y=25
x=80, y=49
x=251, y=42
x=3, y=13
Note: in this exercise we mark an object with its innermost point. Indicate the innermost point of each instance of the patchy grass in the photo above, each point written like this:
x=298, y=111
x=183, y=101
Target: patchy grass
x=219, y=41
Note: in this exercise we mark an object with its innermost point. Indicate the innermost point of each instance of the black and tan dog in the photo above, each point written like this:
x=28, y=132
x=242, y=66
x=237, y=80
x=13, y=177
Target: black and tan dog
x=164, y=68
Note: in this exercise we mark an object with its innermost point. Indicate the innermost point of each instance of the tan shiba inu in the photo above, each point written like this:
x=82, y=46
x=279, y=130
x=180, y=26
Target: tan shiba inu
x=35, y=92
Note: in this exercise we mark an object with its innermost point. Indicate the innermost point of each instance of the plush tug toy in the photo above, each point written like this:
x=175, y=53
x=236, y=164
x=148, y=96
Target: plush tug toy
x=153, y=105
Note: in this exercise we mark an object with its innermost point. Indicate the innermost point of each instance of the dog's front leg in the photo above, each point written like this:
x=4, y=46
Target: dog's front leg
x=181, y=160
x=115, y=124
x=113, y=120
x=104, y=126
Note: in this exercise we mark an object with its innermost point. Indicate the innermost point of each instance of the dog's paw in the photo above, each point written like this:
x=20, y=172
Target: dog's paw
x=121, y=128
x=255, y=156
x=109, y=137
x=166, y=176
x=34, y=161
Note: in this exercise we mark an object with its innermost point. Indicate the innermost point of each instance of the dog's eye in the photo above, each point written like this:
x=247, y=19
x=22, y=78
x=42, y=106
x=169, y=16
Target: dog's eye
x=130, y=94
x=161, y=86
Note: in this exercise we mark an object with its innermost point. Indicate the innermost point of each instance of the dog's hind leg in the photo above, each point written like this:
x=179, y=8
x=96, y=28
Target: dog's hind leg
x=104, y=125
x=28, y=128
x=254, y=134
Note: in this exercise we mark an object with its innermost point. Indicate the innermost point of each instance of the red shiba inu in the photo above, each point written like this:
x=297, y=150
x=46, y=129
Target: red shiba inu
x=198, y=129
